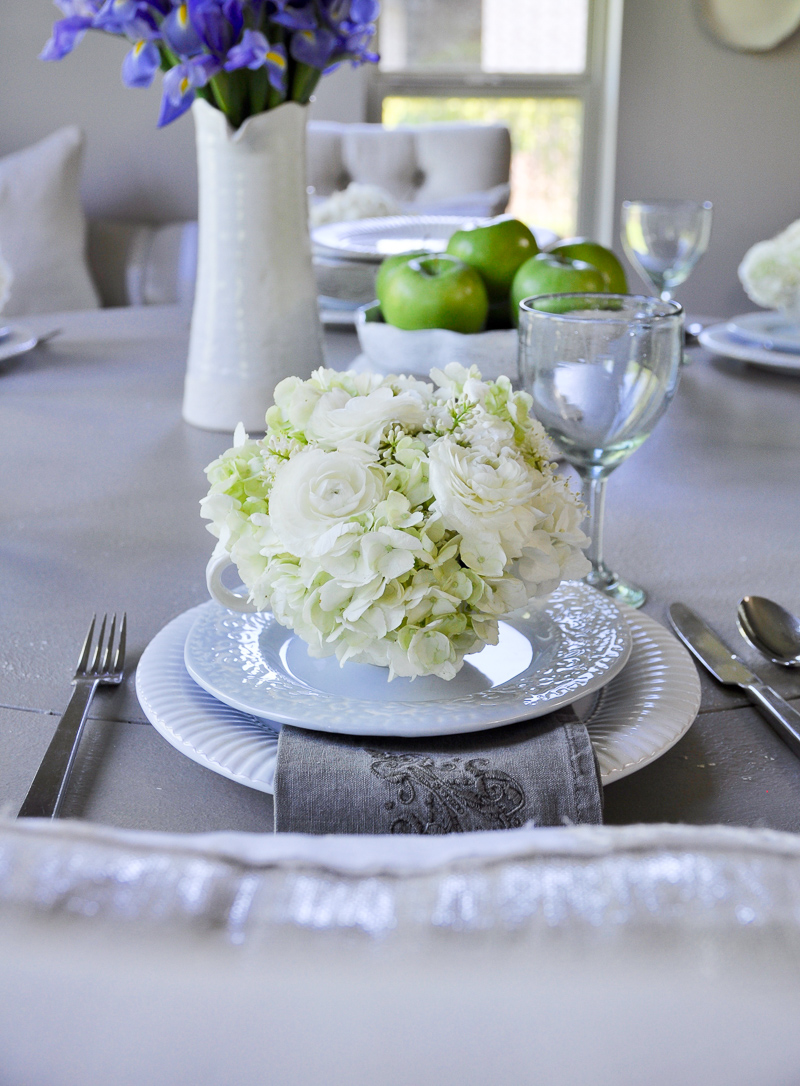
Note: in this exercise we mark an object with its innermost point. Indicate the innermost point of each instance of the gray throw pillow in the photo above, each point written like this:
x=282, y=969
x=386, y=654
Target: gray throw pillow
x=43, y=227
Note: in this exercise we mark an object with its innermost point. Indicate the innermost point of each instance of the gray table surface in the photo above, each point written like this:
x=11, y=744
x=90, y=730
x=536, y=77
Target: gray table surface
x=99, y=497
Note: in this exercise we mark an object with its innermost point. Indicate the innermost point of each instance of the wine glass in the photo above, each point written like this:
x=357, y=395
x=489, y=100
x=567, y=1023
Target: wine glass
x=602, y=369
x=664, y=239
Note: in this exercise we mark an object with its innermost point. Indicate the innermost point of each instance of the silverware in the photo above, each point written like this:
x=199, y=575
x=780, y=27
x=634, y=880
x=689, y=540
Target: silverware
x=45, y=795
x=727, y=668
x=771, y=629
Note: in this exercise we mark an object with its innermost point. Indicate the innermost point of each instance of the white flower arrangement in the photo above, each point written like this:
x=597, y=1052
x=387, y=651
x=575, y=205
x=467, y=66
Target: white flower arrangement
x=392, y=521
x=357, y=201
x=770, y=271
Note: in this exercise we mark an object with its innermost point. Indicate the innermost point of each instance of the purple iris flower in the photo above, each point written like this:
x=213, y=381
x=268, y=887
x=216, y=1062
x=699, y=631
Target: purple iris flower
x=80, y=8
x=141, y=64
x=66, y=35
x=179, y=32
x=134, y=18
x=364, y=11
x=180, y=84
x=294, y=14
x=218, y=22
x=313, y=47
x=254, y=51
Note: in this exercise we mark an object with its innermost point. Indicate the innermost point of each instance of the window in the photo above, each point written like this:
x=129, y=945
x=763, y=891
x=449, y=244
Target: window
x=546, y=68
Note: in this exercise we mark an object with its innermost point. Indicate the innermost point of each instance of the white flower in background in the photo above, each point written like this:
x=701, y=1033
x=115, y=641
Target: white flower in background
x=6, y=279
x=770, y=271
x=357, y=201
x=393, y=521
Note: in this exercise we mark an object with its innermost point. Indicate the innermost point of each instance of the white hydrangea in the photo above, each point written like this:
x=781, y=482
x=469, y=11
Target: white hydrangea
x=770, y=271
x=357, y=201
x=393, y=521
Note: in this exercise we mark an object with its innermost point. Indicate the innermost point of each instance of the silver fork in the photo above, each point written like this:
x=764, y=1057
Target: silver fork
x=107, y=664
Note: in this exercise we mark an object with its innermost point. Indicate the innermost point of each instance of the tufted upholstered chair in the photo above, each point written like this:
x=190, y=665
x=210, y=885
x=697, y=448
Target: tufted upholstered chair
x=426, y=167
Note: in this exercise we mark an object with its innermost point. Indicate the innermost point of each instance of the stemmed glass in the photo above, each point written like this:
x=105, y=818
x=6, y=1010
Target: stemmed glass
x=664, y=239
x=602, y=369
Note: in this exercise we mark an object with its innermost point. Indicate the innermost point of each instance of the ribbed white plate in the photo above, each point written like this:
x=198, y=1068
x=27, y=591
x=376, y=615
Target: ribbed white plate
x=638, y=716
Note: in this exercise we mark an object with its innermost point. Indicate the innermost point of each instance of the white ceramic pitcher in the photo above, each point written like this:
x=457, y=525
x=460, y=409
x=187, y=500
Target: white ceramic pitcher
x=255, y=318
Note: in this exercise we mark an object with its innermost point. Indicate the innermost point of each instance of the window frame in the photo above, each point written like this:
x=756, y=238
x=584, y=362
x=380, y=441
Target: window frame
x=597, y=88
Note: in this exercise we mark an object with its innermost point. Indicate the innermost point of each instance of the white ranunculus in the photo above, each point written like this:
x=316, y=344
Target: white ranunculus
x=317, y=490
x=339, y=417
x=481, y=496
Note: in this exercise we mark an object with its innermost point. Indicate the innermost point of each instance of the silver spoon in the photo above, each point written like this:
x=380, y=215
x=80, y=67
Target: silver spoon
x=771, y=629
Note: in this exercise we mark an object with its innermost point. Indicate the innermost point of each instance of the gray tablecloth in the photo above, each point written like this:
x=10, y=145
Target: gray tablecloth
x=99, y=501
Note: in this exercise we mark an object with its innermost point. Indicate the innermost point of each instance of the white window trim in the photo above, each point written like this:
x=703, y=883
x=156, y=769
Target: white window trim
x=598, y=89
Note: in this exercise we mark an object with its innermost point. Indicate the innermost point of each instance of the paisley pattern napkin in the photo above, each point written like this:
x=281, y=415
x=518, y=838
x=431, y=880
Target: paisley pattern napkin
x=539, y=772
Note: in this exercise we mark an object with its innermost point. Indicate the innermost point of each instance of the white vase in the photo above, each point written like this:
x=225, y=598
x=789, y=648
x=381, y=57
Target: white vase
x=255, y=318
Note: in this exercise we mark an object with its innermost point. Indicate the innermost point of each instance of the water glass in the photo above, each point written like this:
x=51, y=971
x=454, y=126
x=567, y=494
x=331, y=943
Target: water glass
x=664, y=239
x=602, y=369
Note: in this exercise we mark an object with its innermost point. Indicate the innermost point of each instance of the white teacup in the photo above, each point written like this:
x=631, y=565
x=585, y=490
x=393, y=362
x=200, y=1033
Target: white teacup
x=217, y=565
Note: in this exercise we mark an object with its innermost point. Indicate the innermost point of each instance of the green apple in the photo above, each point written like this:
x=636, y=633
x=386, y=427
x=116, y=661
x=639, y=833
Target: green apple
x=548, y=273
x=435, y=292
x=496, y=250
x=595, y=253
x=389, y=264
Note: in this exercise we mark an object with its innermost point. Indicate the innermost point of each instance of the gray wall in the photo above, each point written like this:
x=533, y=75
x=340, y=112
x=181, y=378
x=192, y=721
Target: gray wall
x=696, y=120
x=699, y=121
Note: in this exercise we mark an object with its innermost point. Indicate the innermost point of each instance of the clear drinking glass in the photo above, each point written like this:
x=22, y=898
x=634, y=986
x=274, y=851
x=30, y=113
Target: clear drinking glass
x=664, y=239
x=602, y=369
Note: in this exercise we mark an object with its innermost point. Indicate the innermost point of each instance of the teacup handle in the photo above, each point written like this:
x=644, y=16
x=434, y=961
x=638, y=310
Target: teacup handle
x=218, y=563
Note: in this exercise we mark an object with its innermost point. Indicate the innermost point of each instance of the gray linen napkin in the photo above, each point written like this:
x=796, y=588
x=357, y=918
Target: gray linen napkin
x=541, y=772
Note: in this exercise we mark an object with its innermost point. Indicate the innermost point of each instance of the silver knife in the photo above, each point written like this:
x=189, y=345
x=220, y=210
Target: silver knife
x=727, y=668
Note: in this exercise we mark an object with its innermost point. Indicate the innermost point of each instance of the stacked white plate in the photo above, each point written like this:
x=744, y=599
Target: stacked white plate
x=766, y=338
x=219, y=685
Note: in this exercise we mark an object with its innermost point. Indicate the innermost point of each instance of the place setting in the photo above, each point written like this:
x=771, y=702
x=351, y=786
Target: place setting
x=424, y=639
x=768, y=338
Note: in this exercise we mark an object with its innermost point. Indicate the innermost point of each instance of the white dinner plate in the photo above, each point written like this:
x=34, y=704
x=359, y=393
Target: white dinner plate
x=636, y=718
x=567, y=646
x=718, y=338
x=17, y=340
x=374, y=239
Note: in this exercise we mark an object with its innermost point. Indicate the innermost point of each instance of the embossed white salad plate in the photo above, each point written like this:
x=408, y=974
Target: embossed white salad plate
x=767, y=328
x=719, y=339
x=569, y=645
x=642, y=712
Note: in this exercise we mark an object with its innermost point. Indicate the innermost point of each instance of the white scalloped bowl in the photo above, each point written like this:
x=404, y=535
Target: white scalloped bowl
x=395, y=350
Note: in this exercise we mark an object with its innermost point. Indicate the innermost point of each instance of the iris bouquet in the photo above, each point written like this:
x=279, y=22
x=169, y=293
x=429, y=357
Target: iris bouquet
x=242, y=56
x=393, y=521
